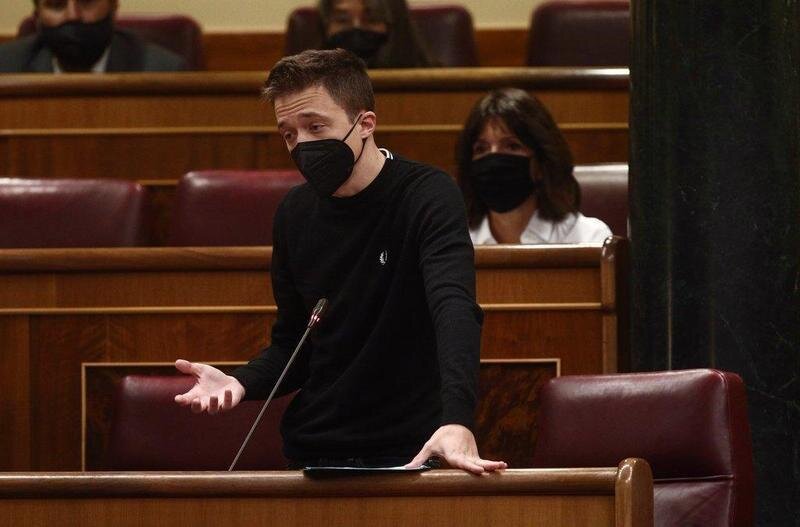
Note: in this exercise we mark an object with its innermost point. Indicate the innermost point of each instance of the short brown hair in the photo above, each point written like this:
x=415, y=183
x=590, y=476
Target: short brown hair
x=528, y=119
x=340, y=72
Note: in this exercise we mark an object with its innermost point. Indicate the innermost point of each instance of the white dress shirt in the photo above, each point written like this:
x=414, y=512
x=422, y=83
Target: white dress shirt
x=574, y=228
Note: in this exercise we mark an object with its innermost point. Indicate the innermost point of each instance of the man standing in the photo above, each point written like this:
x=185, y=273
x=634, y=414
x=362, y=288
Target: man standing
x=390, y=375
x=79, y=36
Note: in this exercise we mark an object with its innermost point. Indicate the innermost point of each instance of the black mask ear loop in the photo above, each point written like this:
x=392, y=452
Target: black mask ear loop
x=363, y=141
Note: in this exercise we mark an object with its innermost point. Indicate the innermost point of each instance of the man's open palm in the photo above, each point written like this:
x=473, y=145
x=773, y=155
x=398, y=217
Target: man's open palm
x=212, y=392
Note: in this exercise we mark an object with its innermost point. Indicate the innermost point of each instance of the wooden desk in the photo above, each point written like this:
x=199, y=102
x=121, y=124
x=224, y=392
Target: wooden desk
x=60, y=309
x=621, y=497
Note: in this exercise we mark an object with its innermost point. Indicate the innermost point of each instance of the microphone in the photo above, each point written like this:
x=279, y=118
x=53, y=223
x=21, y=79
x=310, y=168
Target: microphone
x=316, y=316
x=319, y=310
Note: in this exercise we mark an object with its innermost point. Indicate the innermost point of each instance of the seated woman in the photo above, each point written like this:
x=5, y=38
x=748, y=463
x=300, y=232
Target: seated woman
x=378, y=31
x=515, y=172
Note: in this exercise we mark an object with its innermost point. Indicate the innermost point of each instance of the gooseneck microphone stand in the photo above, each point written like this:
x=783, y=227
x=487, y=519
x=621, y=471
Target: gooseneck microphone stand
x=316, y=316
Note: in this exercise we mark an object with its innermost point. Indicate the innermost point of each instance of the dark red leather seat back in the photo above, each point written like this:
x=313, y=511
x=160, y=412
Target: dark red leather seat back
x=691, y=426
x=304, y=30
x=151, y=432
x=604, y=194
x=580, y=33
x=446, y=30
x=40, y=213
x=228, y=207
x=178, y=33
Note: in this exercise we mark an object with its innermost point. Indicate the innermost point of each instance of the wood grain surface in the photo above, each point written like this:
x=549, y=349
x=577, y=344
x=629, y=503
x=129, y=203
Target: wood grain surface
x=620, y=496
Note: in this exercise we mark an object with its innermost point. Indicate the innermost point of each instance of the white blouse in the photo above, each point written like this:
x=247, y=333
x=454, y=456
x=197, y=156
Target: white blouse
x=574, y=228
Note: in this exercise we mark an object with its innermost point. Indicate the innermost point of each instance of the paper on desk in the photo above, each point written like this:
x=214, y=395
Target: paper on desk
x=356, y=470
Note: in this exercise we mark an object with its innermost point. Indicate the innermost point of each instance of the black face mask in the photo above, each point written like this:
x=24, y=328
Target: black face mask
x=502, y=181
x=362, y=42
x=326, y=163
x=78, y=45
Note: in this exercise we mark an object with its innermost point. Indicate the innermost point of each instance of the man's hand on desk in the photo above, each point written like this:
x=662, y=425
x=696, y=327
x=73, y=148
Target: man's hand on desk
x=212, y=392
x=455, y=445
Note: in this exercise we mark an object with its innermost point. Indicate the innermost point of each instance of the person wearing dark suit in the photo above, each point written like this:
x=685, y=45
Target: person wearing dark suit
x=79, y=36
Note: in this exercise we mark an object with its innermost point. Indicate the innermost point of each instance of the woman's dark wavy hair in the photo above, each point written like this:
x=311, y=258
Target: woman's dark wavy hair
x=558, y=193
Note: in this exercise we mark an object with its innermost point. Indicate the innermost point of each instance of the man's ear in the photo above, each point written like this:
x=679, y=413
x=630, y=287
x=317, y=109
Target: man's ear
x=368, y=122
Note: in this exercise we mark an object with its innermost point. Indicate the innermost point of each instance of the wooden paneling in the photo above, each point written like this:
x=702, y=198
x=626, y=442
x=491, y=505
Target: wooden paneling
x=124, y=290
x=60, y=308
x=132, y=156
x=242, y=51
x=403, y=97
x=229, y=51
x=160, y=154
x=56, y=351
x=572, y=335
x=508, y=408
x=501, y=46
x=61, y=344
x=519, y=285
x=15, y=412
x=621, y=497
x=257, y=50
x=508, y=511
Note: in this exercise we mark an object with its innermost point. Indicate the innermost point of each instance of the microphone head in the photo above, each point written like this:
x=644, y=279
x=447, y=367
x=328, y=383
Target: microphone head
x=319, y=310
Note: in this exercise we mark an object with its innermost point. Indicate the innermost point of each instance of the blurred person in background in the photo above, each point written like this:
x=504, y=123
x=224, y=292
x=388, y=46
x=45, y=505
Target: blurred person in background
x=380, y=32
x=79, y=36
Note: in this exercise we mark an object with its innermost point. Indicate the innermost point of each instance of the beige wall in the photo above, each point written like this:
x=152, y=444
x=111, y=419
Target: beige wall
x=261, y=15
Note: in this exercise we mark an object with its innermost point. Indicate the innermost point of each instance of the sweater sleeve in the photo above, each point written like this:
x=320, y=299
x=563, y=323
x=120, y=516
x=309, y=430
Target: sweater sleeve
x=447, y=263
x=258, y=376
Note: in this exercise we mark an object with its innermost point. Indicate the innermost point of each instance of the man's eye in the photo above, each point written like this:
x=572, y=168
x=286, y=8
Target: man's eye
x=315, y=127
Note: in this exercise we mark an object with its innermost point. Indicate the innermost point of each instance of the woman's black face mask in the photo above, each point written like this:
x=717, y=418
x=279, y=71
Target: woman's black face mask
x=502, y=181
x=78, y=45
x=362, y=42
x=326, y=163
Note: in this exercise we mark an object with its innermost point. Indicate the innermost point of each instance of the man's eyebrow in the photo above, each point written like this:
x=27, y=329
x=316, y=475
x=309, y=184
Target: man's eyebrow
x=305, y=115
x=312, y=114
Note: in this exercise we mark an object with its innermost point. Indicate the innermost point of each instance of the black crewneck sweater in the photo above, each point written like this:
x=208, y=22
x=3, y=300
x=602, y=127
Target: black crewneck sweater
x=396, y=355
